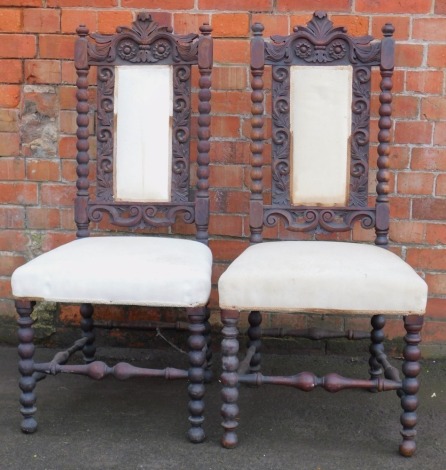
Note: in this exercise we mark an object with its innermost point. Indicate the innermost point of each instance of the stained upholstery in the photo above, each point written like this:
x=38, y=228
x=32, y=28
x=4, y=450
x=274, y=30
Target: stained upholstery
x=326, y=277
x=120, y=270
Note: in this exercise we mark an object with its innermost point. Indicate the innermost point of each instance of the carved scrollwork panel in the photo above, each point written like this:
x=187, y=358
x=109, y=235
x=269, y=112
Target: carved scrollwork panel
x=145, y=42
x=281, y=135
x=320, y=43
x=141, y=215
x=319, y=220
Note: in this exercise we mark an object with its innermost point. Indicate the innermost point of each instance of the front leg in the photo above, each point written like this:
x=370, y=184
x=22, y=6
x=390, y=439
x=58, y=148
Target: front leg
x=197, y=359
x=229, y=377
x=27, y=381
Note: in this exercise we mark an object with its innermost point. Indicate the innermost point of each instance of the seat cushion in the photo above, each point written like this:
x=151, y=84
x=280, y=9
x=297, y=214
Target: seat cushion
x=120, y=270
x=325, y=277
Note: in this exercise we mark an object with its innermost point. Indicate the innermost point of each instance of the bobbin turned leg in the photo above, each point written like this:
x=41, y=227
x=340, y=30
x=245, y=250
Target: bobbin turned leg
x=197, y=357
x=376, y=347
x=229, y=377
x=208, y=374
x=255, y=339
x=410, y=386
x=26, y=365
x=89, y=350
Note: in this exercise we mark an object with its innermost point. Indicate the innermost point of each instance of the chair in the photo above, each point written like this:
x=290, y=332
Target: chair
x=320, y=146
x=142, y=181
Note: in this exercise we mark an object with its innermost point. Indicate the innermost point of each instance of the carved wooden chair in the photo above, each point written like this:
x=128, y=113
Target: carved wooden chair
x=320, y=150
x=142, y=180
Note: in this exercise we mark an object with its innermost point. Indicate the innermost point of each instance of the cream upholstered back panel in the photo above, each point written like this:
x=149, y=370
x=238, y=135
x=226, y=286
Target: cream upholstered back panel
x=320, y=122
x=143, y=137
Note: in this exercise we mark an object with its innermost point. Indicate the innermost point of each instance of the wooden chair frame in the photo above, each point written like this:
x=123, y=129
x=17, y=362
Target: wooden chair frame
x=320, y=44
x=145, y=42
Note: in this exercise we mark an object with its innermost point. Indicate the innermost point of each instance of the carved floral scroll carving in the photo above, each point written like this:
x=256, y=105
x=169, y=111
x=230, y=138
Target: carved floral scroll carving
x=145, y=42
x=318, y=220
x=319, y=42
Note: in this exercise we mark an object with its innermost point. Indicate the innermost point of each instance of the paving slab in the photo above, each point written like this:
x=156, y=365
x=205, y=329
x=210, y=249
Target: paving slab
x=142, y=423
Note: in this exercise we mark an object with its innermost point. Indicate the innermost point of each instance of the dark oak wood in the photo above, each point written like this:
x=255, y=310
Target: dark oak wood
x=145, y=42
x=320, y=44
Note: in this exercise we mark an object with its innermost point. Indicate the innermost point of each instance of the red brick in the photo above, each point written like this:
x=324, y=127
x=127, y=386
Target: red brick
x=9, y=120
x=155, y=4
x=426, y=81
x=436, y=233
x=52, y=240
x=404, y=106
x=10, y=263
x=274, y=24
x=312, y=5
x=12, y=168
x=71, y=19
x=399, y=157
x=185, y=23
x=9, y=144
x=11, y=217
x=433, y=108
x=82, y=3
x=231, y=25
x=12, y=70
x=10, y=20
x=9, y=96
x=18, y=193
x=429, y=209
x=400, y=207
x=426, y=258
x=440, y=133
x=434, y=331
x=41, y=20
x=231, y=51
x=413, y=132
x=67, y=147
x=229, y=176
x=409, y=55
x=42, y=218
x=401, y=24
x=407, y=231
x=440, y=187
x=231, y=102
x=231, y=152
x=436, y=283
x=224, y=224
x=42, y=71
x=251, y=5
x=436, y=308
x=67, y=218
x=429, y=29
x=42, y=170
x=20, y=3
x=20, y=46
x=13, y=240
x=415, y=183
x=440, y=7
x=356, y=25
x=225, y=126
x=398, y=80
x=57, y=194
x=387, y=6
x=108, y=21
x=232, y=201
x=229, y=78
x=56, y=46
x=428, y=158
x=436, y=55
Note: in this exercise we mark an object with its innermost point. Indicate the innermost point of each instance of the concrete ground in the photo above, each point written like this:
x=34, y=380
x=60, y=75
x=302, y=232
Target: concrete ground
x=142, y=423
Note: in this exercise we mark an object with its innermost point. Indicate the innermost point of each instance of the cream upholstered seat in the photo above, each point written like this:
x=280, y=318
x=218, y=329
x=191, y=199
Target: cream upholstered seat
x=122, y=270
x=325, y=277
x=319, y=161
x=143, y=181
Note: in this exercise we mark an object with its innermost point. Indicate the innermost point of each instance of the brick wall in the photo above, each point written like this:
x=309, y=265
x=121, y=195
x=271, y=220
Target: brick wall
x=37, y=126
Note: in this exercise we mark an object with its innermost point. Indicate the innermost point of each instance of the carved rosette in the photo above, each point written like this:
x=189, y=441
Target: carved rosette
x=319, y=220
x=145, y=42
x=181, y=135
x=281, y=135
x=320, y=43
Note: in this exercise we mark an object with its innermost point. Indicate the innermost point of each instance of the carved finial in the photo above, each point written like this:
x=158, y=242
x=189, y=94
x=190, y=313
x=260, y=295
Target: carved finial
x=206, y=29
x=82, y=30
x=388, y=29
x=144, y=16
x=321, y=14
x=257, y=29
